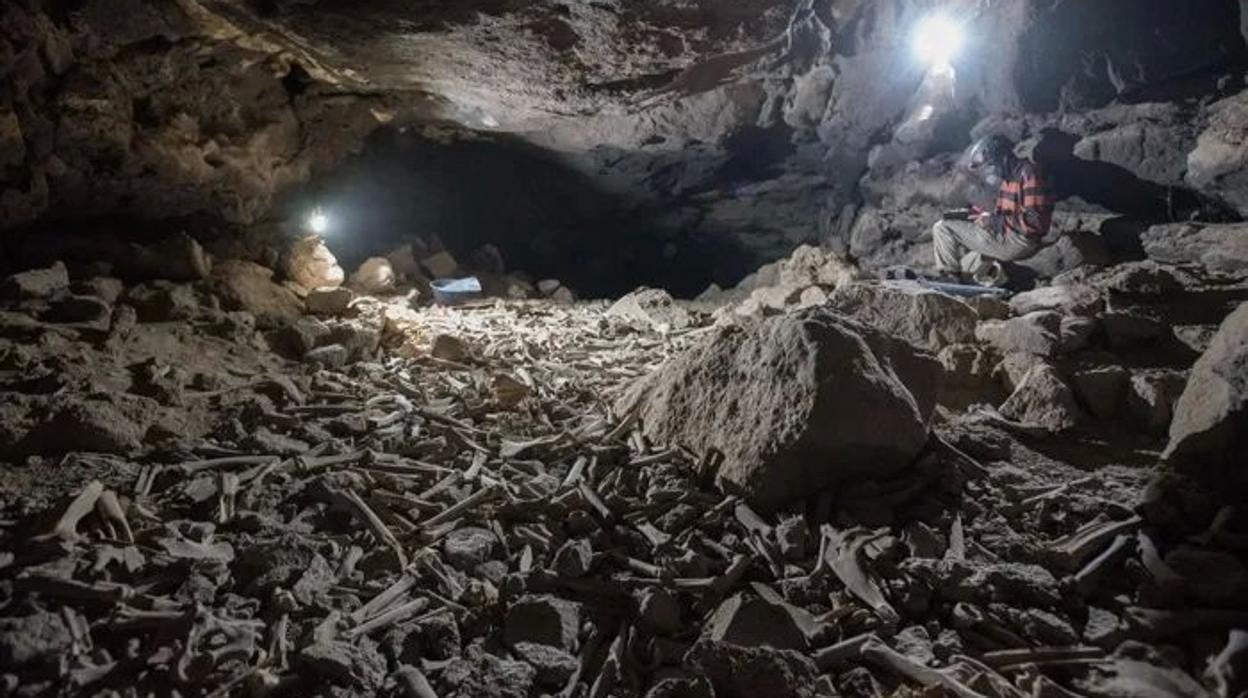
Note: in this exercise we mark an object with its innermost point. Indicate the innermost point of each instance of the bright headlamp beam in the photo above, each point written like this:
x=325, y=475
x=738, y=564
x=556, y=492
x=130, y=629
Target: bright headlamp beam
x=318, y=222
x=938, y=40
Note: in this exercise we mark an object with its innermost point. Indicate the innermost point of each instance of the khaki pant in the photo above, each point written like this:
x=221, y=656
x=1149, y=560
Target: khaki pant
x=954, y=239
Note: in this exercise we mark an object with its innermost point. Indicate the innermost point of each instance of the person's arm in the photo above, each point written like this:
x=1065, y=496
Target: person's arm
x=1038, y=202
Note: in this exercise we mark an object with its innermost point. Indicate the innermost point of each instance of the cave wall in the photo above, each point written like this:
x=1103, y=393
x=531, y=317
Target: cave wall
x=157, y=109
x=705, y=138
x=1130, y=105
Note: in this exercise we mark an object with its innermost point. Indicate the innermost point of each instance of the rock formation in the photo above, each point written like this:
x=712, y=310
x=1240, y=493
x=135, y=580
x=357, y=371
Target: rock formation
x=229, y=467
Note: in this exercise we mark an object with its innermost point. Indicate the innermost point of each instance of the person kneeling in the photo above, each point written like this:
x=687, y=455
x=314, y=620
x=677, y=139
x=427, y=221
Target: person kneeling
x=1014, y=231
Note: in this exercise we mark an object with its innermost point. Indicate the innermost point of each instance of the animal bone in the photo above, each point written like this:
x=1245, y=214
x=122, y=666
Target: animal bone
x=1169, y=582
x=1073, y=551
x=227, y=506
x=842, y=555
x=1087, y=578
x=481, y=496
x=66, y=527
x=884, y=656
x=1156, y=625
x=1228, y=671
x=1038, y=656
x=388, y=618
x=376, y=525
x=970, y=617
x=109, y=509
x=414, y=683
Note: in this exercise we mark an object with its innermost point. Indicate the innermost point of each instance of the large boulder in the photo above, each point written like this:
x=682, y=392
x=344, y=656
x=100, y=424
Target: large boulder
x=1072, y=250
x=1218, y=163
x=1210, y=424
x=1043, y=399
x=1219, y=247
x=1069, y=299
x=650, y=309
x=1037, y=333
x=310, y=264
x=36, y=283
x=794, y=403
x=926, y=318
x=248, y=286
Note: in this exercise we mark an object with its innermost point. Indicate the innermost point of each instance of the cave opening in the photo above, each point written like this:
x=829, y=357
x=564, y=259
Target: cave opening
x=543, y=211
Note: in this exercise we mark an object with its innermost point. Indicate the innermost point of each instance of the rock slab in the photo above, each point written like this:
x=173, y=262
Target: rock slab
x=1210, y=424
x=794, y=403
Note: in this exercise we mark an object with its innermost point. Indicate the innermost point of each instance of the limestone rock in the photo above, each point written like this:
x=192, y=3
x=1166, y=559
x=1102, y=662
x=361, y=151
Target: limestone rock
x=1218, y=162
x=449, y=348
x=36, y=638
x=36, y=283
x=467, y=547
x=926, y=318
x=755, y=622
x=328, y=300
x=548, y=286
x=563, y=294
x=1101, y=390
x=105, y=288
x=405, y=263
x=375, y=275
x=989, y=308
x=652, y=309
x=1126, y=330
x=543, y=620
x=815, y=266
x=968, y=376
x=1219, y=247
x=1210, y=423
x=299, y=337
x=248, y=286
x=440, y=266
x=115, y=425
x=329, y=356
x=574, y=558
x=1043, y=399
x=554, y=666
x=1036, y=333
x=80, y=309
x=794, y=403
x=1067, y=299
x=310, y=264
x=1076, y=334
x=1072, y=250
x=1150, y=399
x=162, y=301
x=658, y=611
x=753, y=671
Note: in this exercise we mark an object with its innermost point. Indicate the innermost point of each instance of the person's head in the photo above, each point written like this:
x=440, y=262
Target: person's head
x=992, y=158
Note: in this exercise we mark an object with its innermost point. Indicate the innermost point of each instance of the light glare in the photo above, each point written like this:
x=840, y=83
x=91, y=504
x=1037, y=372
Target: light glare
x=318, y=222
x=938, y=40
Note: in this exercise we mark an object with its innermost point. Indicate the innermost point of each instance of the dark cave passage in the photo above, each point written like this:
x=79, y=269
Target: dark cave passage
x=548, y=218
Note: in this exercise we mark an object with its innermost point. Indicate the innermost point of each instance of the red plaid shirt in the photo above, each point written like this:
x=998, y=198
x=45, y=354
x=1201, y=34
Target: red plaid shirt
x=1025, y=203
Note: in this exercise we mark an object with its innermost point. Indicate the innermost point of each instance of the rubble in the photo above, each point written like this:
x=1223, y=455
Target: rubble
x=754, y=393
x=517, y=498
x=329, y=301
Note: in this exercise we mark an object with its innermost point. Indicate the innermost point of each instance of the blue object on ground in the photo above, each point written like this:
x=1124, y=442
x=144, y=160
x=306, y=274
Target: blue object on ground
x=455, y=291
x=964, y=289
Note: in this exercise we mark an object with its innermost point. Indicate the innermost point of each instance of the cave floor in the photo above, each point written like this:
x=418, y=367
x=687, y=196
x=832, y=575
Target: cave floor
x=215, y=520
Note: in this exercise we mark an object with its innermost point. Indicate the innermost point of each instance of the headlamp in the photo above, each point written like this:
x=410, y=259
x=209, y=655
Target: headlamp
x=937, y=41
x=318, y=222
